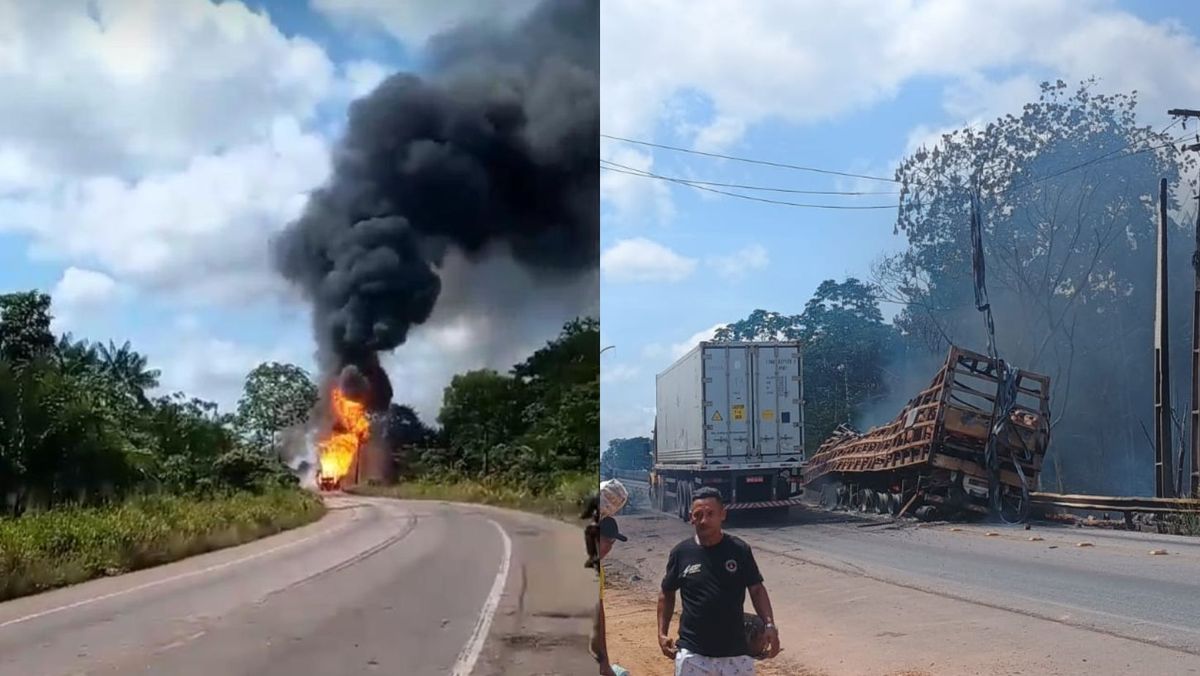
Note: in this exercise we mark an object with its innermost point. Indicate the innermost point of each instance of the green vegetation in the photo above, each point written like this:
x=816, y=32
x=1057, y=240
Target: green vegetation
x=97, y=477
x=629, y=454
x=77, y=427
x=527, y=438
x=68, y=545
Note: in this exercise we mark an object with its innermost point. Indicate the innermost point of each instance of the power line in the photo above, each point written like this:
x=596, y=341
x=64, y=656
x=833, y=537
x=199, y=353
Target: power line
x=740, y=186
x=748, y=160
x=708, y=186
x=1107, y=157
x=746, y=197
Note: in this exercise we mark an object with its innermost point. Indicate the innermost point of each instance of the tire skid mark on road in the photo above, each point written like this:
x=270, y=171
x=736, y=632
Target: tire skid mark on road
x=410, y=523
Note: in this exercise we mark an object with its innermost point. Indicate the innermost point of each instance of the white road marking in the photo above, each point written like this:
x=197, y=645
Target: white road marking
x=470, y=652
x=173, y=578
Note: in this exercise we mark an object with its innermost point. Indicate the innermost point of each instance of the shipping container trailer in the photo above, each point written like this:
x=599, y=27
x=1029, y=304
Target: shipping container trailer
x=730, y=415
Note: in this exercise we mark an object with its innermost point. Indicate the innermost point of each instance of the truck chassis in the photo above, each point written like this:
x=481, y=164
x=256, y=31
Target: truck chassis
x=769, y=487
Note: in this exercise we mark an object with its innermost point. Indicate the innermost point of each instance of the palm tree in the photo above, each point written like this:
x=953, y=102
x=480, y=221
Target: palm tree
x=128, y=368
x=77, y=357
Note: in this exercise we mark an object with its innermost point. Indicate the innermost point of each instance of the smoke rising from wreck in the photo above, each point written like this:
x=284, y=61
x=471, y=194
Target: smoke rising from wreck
x=491, y=152
x=1070, y=276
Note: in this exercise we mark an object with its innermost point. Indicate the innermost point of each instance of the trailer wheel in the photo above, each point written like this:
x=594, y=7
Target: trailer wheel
x=685, y=502
x=883, y=502
x=866, y=500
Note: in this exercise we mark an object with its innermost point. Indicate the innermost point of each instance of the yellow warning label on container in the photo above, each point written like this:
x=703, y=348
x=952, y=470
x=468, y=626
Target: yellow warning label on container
x=768, y=415
x=717, y=416
x=739, y=412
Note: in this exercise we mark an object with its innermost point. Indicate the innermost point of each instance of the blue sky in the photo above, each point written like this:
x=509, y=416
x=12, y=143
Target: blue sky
x=852, y=88
x=142, y=190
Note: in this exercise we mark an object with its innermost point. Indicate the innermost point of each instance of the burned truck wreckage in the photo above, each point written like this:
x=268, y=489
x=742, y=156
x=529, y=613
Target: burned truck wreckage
x=972, y=442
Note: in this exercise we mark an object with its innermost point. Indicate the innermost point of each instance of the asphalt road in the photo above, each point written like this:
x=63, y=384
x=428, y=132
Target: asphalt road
x=1112, y=584
x=1111, y=599
x=376, y=587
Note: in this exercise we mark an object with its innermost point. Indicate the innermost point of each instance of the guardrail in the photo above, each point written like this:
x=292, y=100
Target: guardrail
x=1118, y=503
x=639, y=475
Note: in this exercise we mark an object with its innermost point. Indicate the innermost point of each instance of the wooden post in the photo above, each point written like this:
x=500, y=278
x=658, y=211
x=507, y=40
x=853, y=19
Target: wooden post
x=1164, y=479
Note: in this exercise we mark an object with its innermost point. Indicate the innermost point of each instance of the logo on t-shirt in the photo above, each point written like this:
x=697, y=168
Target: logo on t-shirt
x=691, y=570
x=731, y=566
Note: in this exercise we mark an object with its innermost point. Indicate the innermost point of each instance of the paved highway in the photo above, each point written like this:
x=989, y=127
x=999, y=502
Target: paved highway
x=964, y=597
x=376, y=587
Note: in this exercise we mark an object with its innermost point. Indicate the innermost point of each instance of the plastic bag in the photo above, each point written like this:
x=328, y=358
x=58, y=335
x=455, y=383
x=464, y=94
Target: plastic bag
x=613, y=497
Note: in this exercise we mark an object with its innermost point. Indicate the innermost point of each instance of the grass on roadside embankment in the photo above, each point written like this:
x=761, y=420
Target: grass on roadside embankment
x=65, y=546
x=563, y=500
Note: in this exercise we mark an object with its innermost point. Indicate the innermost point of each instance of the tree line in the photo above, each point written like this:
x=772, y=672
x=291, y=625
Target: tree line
x=79, y=425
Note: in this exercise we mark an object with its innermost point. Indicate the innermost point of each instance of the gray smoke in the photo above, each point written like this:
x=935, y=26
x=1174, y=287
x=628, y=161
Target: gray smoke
x=493, y=151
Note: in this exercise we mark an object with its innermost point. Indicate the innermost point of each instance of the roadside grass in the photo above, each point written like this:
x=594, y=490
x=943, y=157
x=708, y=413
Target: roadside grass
x=563, y=499
x=69, y=545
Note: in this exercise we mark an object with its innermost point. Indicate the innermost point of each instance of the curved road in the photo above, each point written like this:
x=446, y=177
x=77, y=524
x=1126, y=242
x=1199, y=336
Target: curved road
x=378, y=586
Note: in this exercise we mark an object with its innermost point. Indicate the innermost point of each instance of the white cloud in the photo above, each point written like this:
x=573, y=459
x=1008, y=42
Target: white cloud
x=414, y=22
x=79, y=287
x=635, y=198
x=683, y=347
x=662, y=354
x=618, y=373
x=118, y=87
x=81, y=293
x=215, y=369
x=201, y=232
x=361, y=77
x=737, y=264
x=642, y=260
x=770, y=60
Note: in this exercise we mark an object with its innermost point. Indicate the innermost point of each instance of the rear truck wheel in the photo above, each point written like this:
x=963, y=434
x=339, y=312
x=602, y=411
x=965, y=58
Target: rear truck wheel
x=866, y=500
x=882, y=503
x=926, y=513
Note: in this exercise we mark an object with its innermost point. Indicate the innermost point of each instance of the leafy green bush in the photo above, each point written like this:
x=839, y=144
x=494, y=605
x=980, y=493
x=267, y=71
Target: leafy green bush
x=67, y=545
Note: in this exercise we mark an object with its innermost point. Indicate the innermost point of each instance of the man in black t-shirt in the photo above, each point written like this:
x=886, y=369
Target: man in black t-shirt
x=712, y=571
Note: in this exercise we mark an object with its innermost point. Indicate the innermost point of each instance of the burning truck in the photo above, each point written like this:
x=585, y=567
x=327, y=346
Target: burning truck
x=489, y=154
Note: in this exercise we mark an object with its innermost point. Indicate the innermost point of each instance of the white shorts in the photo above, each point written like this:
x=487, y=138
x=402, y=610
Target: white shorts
x=688, y=663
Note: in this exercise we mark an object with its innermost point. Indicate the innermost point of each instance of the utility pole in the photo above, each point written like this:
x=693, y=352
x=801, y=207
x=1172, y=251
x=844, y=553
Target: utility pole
x=1164, y=479
x=1193, y=487
x=1194, y=484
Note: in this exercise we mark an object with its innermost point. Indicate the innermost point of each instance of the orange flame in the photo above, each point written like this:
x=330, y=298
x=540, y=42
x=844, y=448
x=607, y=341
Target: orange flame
x=340, y=449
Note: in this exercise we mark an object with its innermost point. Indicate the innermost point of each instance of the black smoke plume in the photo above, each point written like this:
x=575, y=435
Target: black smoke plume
x=494, y=148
